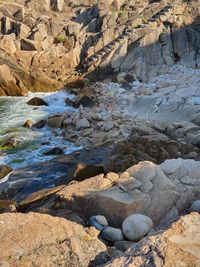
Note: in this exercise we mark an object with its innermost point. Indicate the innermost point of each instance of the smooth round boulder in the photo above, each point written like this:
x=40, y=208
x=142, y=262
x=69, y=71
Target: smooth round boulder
x=112, y=234
x=37, y=101
x=136, y=226
x=195, y=207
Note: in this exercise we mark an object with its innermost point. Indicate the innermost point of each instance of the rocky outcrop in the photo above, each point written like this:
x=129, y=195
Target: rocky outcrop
x=36, y=240
x=178, y=246
x=54, y=43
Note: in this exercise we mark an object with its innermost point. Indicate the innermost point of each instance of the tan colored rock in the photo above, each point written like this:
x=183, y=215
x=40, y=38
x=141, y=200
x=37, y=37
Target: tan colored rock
x=41, y=240
x=4, y=170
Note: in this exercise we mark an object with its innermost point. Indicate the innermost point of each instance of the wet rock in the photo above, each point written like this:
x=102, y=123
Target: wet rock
x=85, y=101
x=53, y=151
x=4, y=170
x=38, y=196
x=61, y=170
x=136, y=226
x=112, y=234
x=12, y=142
x=28, y=124
x=195, y=206
x=40, y=124
x=7, y=204
x=55, y=122
x=36, y=101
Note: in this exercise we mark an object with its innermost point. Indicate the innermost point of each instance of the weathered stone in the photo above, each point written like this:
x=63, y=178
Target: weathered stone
x=28, y=124
x=82, y=124
x=195, y=207
x=42, y=236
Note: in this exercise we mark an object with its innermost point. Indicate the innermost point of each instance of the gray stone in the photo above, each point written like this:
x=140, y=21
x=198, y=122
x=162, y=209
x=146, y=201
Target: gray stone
x=136, y=226
x=112, y=234
x=195, y=206
x=82, y=124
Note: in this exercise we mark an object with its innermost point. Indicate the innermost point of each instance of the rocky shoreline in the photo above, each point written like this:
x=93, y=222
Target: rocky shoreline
x=130, y=194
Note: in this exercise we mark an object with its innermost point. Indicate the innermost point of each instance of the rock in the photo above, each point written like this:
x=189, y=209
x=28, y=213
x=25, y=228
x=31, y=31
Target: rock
x=112, y=234
x=136, y=226
x=120, y=198
x=108, y=125
x=82, y=124
x=12, y=142
x=4, y=170
x=124, y=245
x=55, y=122
x=182, y=240
x=195, y=207
x=46, y=241
x=40, y=124
x=28, y=124
x=36, y=101
x=53, y=151
x=85, y=101
x=60, y=170
x=96, y=224
x=101, y=219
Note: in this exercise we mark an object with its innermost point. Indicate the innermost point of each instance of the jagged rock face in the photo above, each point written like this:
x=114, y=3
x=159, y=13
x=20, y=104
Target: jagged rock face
x=42, y=240
x=53, y=37
x=178, y=246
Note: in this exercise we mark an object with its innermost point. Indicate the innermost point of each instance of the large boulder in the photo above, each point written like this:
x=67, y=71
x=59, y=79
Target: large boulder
x=143, y=188
x=41, y=240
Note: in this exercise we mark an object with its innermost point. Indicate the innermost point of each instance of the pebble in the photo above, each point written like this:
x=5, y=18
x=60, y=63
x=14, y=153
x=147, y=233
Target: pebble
x=112, y=234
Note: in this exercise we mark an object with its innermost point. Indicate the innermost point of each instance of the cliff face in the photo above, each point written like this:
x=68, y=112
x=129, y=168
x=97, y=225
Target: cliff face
x=47, y=44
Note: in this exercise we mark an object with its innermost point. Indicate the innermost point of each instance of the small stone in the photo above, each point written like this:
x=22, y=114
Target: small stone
x=108, y=125
x=136, y=226
x=112, y=234
x=95, y=223
x=54, y=151
x=36, y=101
x=195, y=207
x=28, y=124
x=82, y=124
x=40, y=124
x=101, y=219
x=4, y=170
x=55, y=122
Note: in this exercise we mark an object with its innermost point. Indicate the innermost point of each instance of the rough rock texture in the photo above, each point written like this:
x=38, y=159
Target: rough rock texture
x=41, y=240
x=178, y=246
x=143, y=188
x=57, y=42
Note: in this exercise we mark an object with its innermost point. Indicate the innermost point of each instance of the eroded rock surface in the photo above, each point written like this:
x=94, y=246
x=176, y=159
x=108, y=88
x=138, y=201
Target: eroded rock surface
x=41, y=240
